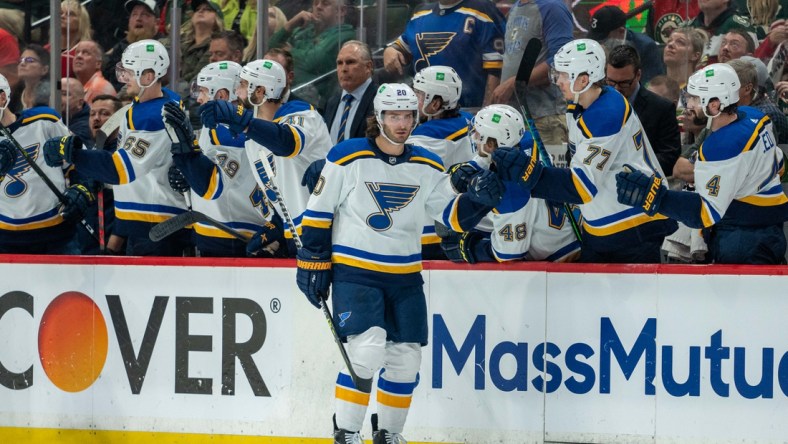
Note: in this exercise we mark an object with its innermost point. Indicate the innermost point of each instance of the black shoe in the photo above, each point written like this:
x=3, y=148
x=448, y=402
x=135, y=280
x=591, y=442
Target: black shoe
x=343, y=436
x=386, y=437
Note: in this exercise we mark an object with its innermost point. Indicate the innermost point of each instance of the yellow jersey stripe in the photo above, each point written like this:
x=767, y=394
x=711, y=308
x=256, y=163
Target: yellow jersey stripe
x=454, y=220
x=383, y=268
x=351, y=396
x=213, y=185
x=400, y=402
x=705, y=215
x=765, y=201
x=289, y=235
x=298, y=142
x=214, y=137
x=492, y=64
x=585, y=195
x=476, y=13
x=315, y=223
x=209, y=231
x=120, y=167
x=429, y=162
x=620, y=226
x=429, y=239
x=141, y=217
x=584, y=128
x=755, y=134
x=56, y=220
x=51, y=117
x=129, y=118
x=421, y=14
x=350, y=157
x=457, y=134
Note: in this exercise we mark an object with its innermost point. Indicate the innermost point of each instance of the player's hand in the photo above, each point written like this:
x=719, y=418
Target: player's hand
x=61, y=149
x=394, y=61
x=461, y=175
x=486, y=189
x=177, y=180
x=458, y=247
x=7, y=156
x=312, y=174
x=504, y=91
x=314, y=275
x=78, y=198
x=180, y=129
x=514, y=165
x=220, y=111
x=262, y=241
x=639, y=190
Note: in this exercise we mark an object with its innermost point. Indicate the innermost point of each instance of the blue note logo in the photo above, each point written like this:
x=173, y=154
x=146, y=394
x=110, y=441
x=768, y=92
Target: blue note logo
x=14, y=185
x=388, y=197
x=344, y=317
x=430, y=44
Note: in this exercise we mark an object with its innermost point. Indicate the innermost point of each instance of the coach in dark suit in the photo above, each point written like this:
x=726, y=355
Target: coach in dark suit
x=346, y=112
x=657, y=114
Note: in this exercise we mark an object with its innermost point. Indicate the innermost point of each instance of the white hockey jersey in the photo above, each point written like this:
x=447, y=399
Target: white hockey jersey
x=242, y=204
x=28, y=208
x=312, y=143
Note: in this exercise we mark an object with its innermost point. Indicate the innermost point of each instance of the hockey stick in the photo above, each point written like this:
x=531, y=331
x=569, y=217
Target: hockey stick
x=531, y=53
x=268, y=182
x=183, y=220
x=113, y=123
x=44, y=177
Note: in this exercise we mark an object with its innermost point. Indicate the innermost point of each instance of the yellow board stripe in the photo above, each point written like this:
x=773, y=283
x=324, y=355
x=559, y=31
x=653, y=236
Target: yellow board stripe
x=353, y=396
x=401, y=402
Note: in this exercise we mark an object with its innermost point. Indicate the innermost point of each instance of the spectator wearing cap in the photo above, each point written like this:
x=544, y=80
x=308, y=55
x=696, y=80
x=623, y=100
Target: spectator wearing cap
x=716, y=18
x=87, y=69
x=609, y=27
x=141, y=26
x=752, y=93
x=736, y=43
x=656, y=114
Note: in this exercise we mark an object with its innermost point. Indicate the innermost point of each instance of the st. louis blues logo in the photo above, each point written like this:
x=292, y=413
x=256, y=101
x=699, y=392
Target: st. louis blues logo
x=260, y=201
x=14, y=185
x=430, y=44
x=344, y=317
x=258, y=166
x=388, y=197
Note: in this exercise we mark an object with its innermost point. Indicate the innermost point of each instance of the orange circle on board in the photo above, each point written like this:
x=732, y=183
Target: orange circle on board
x=72, y=341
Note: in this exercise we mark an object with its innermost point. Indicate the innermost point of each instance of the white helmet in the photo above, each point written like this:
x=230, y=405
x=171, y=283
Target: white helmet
x=716, y=81
x=266, y=73
x=578, y=57
x=145, y=54
x=219, y=75
x=395, y=97
x=5, y=87
x=500, y=122
x=440, y=81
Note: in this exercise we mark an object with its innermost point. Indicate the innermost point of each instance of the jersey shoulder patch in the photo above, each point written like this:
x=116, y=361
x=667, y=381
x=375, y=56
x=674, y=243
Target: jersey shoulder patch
x=735, y=138
x=348, y=151
x=606, y=116
x=426, y=157
x=38, y=113
x=146, y=116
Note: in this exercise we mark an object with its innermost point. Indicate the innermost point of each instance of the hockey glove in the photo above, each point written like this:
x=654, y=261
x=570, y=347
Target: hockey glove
x=61, y=149
x=312, y=174
x=638, y=190
x=486, y=188
x=513, y=165
x=314, y=275
x=78, y=199
x=461, y=175
x=7, y=157
x=270, y=232
x=180, y=129
x=220, y=111
x=177, y=180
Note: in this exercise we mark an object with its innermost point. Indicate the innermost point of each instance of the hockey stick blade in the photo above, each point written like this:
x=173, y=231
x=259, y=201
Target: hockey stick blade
x=109, y=127
x=527, y=63
x=172, y=225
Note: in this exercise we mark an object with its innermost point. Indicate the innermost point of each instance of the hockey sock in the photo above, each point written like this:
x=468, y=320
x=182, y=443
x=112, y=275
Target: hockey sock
x=366, y=353
x=393, y=400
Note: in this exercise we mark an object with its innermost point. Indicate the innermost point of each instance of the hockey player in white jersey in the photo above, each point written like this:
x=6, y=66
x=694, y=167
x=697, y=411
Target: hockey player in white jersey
x=361, y=233
x=604, y=135
x=32, y=219
x=523, y=227
x=738, y=199
x=289, y=136
x=239, y=204
x=139, y=167
x=443, y=130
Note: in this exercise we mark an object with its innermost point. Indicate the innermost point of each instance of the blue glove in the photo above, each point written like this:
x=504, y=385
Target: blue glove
x=513, y=165
x=486, y=189
x=177, y=122
x=220, y=111
x=7, y=156
x=177, y=180
x=270, y=232
x=314, y=275
x=78, y=198
x=312, y=174
x=638, y=190
x=61, y=149
x=461, y=175
x=459, y=246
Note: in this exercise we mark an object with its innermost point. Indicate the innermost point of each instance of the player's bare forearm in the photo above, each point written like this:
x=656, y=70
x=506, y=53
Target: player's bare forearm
x=492, y=82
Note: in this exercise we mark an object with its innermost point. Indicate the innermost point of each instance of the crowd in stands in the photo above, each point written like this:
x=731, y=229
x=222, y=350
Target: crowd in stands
x=483, y=41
